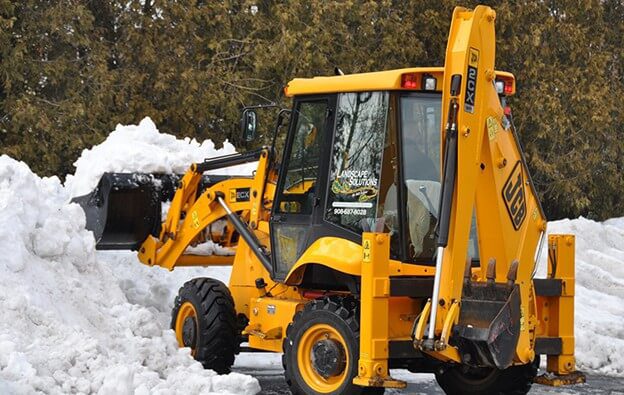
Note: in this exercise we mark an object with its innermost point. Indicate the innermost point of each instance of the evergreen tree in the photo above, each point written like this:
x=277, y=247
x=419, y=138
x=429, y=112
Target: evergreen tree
x=54, y=82
x=70, y=70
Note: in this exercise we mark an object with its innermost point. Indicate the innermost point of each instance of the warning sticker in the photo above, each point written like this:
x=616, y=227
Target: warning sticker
x=195, y=219
x=367, y=251
x=492, y=127
x=473, y=60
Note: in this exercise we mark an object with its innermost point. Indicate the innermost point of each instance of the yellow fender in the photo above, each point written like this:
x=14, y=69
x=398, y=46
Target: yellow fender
x=335, y=253
x=345, y=256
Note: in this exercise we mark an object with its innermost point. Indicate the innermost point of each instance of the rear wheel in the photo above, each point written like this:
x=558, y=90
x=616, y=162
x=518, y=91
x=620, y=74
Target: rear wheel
x=204, y=319
x=515, y=380
x=322, y=347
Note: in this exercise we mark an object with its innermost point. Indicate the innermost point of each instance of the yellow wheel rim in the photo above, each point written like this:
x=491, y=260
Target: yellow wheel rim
x=187, y=310
x=309, y=374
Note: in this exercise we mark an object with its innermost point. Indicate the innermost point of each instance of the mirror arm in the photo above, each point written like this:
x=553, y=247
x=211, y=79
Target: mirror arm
x=259, y=106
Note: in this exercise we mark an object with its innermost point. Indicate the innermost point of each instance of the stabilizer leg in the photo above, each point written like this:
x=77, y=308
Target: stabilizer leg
x=555, y=305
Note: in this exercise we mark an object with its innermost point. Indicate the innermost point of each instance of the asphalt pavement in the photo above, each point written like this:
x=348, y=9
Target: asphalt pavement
x=272, y=383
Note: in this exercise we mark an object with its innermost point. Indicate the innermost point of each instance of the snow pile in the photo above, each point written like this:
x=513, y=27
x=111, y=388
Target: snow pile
x=66, y=322
x=141, y=148
x=599, y=300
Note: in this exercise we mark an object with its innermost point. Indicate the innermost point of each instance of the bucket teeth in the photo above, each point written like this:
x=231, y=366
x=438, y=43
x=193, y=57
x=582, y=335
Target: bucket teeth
x=491, y=271
x=512, y=273
x=468, y=277
x=491, y=279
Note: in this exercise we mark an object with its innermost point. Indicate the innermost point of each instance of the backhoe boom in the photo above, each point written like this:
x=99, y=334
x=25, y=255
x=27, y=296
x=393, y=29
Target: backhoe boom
x=489, y=179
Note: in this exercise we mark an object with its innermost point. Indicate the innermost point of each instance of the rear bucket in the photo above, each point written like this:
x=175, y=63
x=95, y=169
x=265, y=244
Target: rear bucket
x=123, y=210
x=489, y=325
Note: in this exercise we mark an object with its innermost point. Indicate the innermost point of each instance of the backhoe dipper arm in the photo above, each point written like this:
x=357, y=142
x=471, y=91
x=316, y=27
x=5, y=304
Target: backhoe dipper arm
x=484, y=172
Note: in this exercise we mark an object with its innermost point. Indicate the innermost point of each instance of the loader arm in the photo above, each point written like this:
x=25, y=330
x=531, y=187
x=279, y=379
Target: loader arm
x=191, y=212
x=485, y=173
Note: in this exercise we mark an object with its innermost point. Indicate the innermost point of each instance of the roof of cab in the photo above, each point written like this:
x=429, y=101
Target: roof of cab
x=375, y=81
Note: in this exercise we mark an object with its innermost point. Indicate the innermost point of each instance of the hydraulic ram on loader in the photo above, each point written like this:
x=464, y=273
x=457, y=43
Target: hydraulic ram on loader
x=398, y=229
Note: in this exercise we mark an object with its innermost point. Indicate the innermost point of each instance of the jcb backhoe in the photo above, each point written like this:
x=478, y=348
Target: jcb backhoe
x=399, y=228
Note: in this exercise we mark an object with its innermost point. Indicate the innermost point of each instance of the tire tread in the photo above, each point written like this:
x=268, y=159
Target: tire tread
x=218, y=339
x=344, y=309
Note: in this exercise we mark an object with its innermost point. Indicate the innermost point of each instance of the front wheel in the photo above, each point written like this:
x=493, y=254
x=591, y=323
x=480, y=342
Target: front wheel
x=461, y=379
x=204, y=319
x=322, y=348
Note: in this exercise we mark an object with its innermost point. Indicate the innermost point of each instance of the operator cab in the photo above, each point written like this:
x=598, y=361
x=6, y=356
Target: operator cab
x=362, y=161
x=359, y=162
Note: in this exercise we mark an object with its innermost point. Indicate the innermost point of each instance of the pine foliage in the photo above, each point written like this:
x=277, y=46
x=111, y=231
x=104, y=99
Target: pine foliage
x=70, y=70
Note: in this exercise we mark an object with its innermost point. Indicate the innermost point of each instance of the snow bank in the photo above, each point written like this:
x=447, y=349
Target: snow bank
x=141, y=148
x=68, y=323
x=599, y=301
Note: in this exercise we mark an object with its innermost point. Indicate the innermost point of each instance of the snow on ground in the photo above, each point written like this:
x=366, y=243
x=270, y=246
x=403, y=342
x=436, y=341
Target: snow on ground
x=76, y=321
x=73, y=320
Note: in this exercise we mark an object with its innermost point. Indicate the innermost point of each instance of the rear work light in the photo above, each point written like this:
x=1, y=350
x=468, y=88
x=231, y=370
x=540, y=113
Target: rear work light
x=429, y=82
x=425, y=82
x=504, y=86
x=500, y=87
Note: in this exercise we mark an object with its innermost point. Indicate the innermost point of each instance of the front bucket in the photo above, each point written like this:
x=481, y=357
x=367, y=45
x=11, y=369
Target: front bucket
x=123, y=210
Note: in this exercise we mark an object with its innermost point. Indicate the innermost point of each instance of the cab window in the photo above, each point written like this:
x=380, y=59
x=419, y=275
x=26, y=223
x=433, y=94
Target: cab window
x=302, y=167
x=420, y=131
x=356, y=161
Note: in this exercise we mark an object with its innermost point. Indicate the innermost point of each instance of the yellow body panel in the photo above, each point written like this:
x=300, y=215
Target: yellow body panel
x=268, y=319
x=375, y=81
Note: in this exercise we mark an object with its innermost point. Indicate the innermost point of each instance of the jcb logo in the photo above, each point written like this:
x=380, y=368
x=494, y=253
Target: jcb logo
x=514, y=197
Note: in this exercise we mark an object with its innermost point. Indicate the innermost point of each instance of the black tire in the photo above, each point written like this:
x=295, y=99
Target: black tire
x=216, y=338
x=515, y=380
x=341, y=315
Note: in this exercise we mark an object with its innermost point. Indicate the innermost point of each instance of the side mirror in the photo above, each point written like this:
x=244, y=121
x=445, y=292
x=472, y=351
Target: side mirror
x=249, y=124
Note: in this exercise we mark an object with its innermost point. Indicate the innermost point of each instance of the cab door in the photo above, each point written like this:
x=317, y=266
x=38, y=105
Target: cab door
x=302, y=181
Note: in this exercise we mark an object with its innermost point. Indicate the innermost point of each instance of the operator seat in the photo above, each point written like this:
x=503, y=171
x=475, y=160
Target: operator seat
x=423, y=197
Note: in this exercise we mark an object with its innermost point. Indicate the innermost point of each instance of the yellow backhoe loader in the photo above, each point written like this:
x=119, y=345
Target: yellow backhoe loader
x=399, y=228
